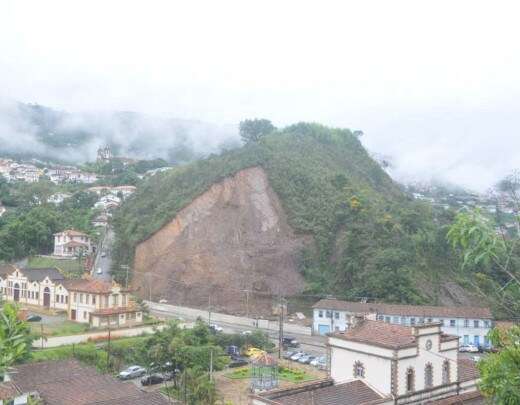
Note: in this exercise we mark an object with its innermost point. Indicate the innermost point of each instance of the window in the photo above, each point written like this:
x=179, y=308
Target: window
x=74, y=297
x=430, y=320
x=328, y=314
x=466, y=339
x=336, y=314
x=487, y=324
x=403, y=320
x=85, y=315
x=115, y=300
x=320, y=314
x=396, y=319
x=380, y=317
x=123, y=303
x=81, y=298
x=87, y=299
x=476, y=324
x=93, y=300
x=57, y=299
x=359, y=370
x=387, y=319
x=452, y=323
x=37, y=295
x=67, y=299
x=106, y=301
x=446, y=372
x=410, y=380
x=421, y=320
x=428, y=376
x=412, y=321
x=466, y=323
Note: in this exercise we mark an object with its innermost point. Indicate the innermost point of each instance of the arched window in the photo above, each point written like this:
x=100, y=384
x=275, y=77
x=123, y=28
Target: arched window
x=410, y=379
x=428, y=376
x=359, y=370
x=446, y=372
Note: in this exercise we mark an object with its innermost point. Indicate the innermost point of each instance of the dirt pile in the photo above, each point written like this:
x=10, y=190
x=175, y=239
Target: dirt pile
x=232, y=238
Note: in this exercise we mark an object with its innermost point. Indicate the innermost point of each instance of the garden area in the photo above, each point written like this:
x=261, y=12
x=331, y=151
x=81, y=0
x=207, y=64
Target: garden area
x=293, y=375
x=71, y=268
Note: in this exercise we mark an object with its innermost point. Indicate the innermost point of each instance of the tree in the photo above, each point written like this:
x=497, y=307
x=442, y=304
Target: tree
x=500, y=372
x=253, y=130
x=15, y=340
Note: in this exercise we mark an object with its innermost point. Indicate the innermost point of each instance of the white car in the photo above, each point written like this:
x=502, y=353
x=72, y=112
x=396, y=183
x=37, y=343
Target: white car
x=318, y=360
x=468, y=348
x=163, y=301
x=296, y=356
x=132, y=372
x=246, y=332
x=99, y=271
x=216, y=328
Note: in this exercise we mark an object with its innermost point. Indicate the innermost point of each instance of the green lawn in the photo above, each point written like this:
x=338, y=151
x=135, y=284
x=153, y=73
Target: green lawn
x=292, y=375
x=59, y=329
x=71, y=267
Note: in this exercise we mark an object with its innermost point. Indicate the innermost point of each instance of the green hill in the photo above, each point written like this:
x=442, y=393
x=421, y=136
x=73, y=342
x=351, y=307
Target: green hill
x=370, y=239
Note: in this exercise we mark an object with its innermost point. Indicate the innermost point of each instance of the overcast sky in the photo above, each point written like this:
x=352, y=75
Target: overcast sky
x=434, y=84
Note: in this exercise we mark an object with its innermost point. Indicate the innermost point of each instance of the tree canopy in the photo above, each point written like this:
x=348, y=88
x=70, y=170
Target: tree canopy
x=252, y=130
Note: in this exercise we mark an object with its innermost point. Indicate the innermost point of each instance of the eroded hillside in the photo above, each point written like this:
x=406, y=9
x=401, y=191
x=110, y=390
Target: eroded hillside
x=233, y=237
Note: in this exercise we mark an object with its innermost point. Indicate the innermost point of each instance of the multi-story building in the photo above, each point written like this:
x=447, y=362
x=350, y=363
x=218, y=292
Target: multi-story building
x=96, y=302
x=71, y=243
x=38, y=287
x=374, y=362
x=101, y=303
x=471, y=324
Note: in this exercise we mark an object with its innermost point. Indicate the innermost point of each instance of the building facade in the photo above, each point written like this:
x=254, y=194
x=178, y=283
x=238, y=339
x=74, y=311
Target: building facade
x=471, y=324
x=71, y=243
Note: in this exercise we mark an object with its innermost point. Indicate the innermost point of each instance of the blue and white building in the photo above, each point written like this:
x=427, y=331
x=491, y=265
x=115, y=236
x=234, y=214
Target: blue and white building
x=471, y=324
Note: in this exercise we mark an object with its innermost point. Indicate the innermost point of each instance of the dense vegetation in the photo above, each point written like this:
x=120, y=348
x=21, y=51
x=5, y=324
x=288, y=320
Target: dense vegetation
x=28, y=226
x=370, y=239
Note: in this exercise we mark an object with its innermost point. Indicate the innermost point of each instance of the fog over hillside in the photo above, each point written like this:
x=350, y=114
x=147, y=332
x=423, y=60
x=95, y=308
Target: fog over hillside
x=38, y=131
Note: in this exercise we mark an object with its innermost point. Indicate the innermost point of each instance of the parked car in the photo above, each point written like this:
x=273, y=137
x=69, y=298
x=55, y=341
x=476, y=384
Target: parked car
x=289, y=341
x=238, y=362
x=103, y=254
x=163, y=301
x=468, y=348
x=153, y=379
x=246, y=332
x=253, y=352
x=317, y=360
x=287, y=355
x=306, y=359
x=232, y=350
x=216, y=328
x=297, y=355
x=132, y=372
x=34, y=318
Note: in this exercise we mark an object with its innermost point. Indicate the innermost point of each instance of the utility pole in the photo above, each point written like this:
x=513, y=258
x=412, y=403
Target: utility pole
x=209, y=309
x=247, y=303
x=125, y=267
x=108, y=349
x=280, y=327
x=211, y=364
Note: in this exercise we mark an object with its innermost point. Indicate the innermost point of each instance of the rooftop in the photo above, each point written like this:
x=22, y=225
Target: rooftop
x=6, y=269
x=89, y=285
x=405, y=310
x=380, y=334
x=40, y=274
x=70, y=382
x=113, y=311
x=467, y=370
x=325, y=393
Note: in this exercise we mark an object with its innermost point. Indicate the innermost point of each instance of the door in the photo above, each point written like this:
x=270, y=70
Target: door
x=47, y=297
x=73, y=314
x=323, y=329
x=476, y=340
x=16, y=292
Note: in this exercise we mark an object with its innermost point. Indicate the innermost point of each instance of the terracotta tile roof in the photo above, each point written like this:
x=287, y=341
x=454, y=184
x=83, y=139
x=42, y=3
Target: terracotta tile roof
x=113, y=311
x=380, y=334
x=8, y=390
x=325, y=393
x=71, y=232
x=467, y=370
x=6, y=269
x=69, y=382
x=91, y=286
x=405, y=310
x=40, y=274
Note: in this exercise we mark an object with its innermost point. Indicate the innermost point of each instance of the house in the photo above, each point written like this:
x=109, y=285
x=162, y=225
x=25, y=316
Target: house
x=124, y=191
x=5, y=270
x=58, y=198
x=101, y=304
x=374, y=362
x=71, y=243
x=66, y=382
x=38, y=287
x=471, y=324
x=100, y=220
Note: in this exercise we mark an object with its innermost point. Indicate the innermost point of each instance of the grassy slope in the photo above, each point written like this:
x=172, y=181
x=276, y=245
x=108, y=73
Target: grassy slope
x=367, y=233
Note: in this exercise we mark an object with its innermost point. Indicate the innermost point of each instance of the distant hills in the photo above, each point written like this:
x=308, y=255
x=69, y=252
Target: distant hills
x=35, y=131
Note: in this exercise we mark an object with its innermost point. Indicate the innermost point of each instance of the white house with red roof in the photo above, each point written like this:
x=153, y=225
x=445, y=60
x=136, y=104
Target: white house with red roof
x=71, y=243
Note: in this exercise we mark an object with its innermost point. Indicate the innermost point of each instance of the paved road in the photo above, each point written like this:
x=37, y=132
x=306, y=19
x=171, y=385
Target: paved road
x=314, y=345
x=104, y=262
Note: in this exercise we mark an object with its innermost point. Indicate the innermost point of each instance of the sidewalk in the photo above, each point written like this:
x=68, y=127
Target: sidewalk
x=55, y=341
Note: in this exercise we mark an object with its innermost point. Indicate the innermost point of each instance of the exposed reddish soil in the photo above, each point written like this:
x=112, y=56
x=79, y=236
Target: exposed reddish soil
x=233, y=237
